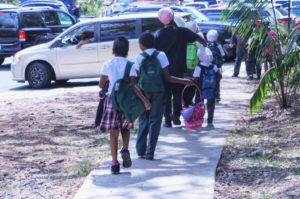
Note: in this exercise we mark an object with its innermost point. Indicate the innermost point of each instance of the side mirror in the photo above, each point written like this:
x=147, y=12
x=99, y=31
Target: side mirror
x=59, y=43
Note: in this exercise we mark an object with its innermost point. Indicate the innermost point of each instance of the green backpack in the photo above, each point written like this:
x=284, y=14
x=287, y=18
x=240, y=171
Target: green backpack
x=192, y=59
x=151, y=77
x=125, y=100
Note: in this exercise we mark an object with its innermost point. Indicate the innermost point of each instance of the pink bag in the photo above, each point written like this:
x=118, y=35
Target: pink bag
x=193, y=116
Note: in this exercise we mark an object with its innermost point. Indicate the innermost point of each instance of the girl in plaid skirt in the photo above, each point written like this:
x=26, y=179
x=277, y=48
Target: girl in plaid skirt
x=113, y=121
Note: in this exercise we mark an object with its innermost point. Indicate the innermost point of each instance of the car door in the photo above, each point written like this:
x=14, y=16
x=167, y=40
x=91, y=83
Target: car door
x=78, y=62
x=113, y=29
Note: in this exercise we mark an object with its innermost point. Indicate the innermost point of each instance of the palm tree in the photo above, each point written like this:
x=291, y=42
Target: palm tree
x=283, y=79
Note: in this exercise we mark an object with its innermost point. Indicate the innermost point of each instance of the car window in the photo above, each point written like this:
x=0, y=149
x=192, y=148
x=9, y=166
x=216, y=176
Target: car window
x=112, y=30
x=151, y=25
x=81, y=33
x=64, y=18
x=213, y=15
x=50, y=18
x=8, y=20
x=31, y=19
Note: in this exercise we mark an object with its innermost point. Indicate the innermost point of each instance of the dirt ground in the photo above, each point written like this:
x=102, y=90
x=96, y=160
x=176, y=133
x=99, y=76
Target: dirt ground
x=261, y=158
x=48, y=145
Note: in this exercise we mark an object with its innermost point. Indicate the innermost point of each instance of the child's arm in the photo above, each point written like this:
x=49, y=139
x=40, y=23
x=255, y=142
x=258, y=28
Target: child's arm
x=140, y=95
x=173, y=79
x=102, y=81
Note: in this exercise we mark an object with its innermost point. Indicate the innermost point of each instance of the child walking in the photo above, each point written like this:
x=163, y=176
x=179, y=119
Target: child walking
x=152, y=67
x=218, y=53
x=112, y=120
x=206, y=75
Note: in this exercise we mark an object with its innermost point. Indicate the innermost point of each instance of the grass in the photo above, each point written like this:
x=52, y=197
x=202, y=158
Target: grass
x=83, y=167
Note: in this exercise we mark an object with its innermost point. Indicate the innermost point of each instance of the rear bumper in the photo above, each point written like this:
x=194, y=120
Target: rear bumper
x=7, y=50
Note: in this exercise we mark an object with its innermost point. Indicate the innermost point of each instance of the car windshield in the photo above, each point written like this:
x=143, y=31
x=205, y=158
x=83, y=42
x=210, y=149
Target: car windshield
x=195, y=14
x=8, y=20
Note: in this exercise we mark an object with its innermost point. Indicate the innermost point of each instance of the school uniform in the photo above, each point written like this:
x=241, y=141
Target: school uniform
x=150, y=121
x=210, y=105
x=111, y=119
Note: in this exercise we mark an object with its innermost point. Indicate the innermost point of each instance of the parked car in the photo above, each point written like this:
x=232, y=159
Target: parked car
x=41, y=64
x=197, y=5
x=117, y=6
x=25, y=27
x=295, y=11
x=6, y=6
x=194, y=13
x=38, y=3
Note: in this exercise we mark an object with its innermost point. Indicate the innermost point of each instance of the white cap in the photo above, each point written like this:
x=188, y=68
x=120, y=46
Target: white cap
x=212, y=35
x=205, y=55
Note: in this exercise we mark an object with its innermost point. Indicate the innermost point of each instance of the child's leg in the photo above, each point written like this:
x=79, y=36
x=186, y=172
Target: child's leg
x=125, y=137
x=114, y=134
x=210, y=110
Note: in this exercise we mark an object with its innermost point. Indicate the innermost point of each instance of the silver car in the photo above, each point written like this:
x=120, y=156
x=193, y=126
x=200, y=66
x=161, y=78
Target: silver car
x=60, y=60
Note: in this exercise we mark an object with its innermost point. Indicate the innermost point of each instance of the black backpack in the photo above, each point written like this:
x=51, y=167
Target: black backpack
x=151, y=77
x=125, y=100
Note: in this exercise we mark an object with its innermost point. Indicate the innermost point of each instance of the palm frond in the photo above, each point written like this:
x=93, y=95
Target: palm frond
x=266, y=83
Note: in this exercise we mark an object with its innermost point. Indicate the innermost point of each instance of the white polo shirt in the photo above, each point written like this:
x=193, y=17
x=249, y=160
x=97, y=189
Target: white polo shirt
x=115, y=69
x=162, y=58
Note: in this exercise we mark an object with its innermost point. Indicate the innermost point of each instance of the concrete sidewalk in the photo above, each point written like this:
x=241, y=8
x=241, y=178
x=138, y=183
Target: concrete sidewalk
x=185, y=160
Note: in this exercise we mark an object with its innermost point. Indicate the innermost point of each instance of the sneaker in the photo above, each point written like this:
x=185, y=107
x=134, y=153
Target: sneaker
x=149, y=156
x=176, y=120
x=126, y=158
x=115, y=169
x=168, y=124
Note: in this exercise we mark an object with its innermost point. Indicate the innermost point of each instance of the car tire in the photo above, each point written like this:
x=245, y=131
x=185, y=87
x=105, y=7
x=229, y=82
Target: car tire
x=1, y=60
x=39, y=75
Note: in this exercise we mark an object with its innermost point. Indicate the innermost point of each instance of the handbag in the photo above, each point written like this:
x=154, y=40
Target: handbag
x=193, y=116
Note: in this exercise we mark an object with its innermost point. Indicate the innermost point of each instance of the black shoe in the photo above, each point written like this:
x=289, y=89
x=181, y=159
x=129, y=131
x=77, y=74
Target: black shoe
x=234, y=75
x=149, y=157
x=218, y=99
x=176, y=120
x=168, y=124
x=126, y=158
x=115, y=169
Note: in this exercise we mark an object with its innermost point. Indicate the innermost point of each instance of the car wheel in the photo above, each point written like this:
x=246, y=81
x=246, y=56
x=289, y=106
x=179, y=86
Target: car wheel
x=39, y=75
x=1, y=60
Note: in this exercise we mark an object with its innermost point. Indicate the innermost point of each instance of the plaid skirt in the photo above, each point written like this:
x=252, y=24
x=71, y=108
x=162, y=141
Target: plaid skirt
x=111, y=119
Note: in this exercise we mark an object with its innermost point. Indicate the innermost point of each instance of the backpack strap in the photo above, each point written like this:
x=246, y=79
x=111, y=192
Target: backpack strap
x=128, y=68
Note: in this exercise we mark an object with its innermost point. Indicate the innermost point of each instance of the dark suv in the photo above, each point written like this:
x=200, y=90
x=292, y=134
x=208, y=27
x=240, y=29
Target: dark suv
x=24, y=27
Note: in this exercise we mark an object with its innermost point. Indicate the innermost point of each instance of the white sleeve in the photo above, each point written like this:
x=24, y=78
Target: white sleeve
x=197, y=72
x=132, y=72
x=163, y=59
x=137, y=62
x=104, y=69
